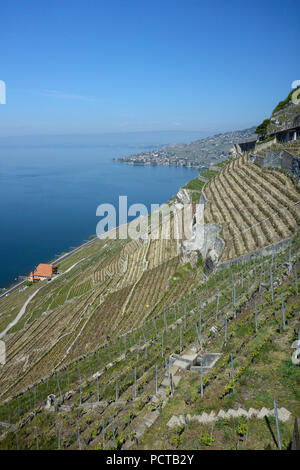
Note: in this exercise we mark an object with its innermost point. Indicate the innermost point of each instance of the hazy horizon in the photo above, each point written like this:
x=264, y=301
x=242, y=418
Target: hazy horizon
x=142, y=138
x=106, y=67
x=111, y=139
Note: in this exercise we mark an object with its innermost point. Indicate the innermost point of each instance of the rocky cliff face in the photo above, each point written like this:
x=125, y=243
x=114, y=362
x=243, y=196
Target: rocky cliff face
x=287, y=117
x=204, y=240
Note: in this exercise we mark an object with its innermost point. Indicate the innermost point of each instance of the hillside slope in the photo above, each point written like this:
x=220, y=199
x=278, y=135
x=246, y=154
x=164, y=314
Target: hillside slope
x=109, y=288
x=286, y=114
x=89, y=363
x=120, y=396
x=255, y=207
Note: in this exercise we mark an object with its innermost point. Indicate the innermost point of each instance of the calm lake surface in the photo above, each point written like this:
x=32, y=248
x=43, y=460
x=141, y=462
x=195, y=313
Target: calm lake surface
x=49, y=196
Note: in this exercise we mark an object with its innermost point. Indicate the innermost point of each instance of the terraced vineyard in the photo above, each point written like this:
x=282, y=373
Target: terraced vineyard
x=146, y=294
x=106, y=410
x=104, y=292
x=99, y=335
x=255, y=207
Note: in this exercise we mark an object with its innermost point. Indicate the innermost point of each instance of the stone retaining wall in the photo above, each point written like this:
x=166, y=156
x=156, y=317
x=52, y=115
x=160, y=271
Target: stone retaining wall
x=265, y=251
x=284, y=415
x=280, y=159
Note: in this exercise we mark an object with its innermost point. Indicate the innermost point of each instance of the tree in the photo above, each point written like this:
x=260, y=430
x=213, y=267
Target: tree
x=262, y=128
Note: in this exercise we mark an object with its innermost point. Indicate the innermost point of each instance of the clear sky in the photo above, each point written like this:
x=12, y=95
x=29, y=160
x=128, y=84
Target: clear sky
x=98, y=66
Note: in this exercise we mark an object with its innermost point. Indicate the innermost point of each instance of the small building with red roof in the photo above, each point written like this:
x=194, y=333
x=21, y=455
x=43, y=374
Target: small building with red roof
x=43, y=271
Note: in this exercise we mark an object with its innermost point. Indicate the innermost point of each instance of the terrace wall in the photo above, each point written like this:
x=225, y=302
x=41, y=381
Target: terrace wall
x=279, y=158
x=204, y=239
x=265, y=251
x=212, y=244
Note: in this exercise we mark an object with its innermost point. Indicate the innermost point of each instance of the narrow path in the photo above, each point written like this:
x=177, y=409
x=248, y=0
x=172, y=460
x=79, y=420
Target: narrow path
x=20, y=314
x=71, y=267
x=23, y=309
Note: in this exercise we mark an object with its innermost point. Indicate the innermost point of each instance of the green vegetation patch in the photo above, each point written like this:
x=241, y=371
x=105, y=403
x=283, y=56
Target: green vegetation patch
x=80, y=289
x=195, y=184
x=263, y=127
x=283, y=103
x=209, y=174
x=222, y=164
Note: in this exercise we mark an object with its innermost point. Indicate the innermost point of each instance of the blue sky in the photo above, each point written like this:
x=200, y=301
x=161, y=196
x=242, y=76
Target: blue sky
x=139, y=65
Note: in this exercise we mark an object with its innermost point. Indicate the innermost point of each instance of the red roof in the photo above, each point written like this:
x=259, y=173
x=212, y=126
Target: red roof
x=43, y=270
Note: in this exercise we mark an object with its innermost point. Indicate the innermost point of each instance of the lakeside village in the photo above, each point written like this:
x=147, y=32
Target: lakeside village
x=163, y=158
x=199, y=154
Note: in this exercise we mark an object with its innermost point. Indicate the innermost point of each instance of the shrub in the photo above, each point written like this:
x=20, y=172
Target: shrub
x=283, y=103
x=262, y=128
x=242, y=428
x=175, y=440
x=207, y=440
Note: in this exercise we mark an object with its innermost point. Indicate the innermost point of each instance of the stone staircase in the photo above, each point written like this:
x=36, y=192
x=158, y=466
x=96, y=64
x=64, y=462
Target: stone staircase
x=169, y=384
x=283, y=415
x=171, y=379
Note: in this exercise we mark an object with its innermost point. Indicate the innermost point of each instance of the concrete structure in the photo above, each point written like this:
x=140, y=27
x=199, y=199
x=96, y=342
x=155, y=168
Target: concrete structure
x=280, y=136
x=208, y=361
x=291, y=133
x=241, y=147
x=274, y=158
x=265, y=251
x=246, y=146
x=190, y=361
x=280, y=159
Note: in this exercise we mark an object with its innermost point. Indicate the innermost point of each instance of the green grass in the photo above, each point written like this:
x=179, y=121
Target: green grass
x=196, y=196
x=209, y=174
x=222, y=164
x=195, y=184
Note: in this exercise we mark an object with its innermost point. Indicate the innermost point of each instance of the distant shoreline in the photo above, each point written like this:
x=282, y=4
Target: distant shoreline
x=194, y=155
x=127, y=161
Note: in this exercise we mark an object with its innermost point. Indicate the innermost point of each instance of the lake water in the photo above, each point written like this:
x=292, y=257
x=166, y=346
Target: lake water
x=49, y=196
